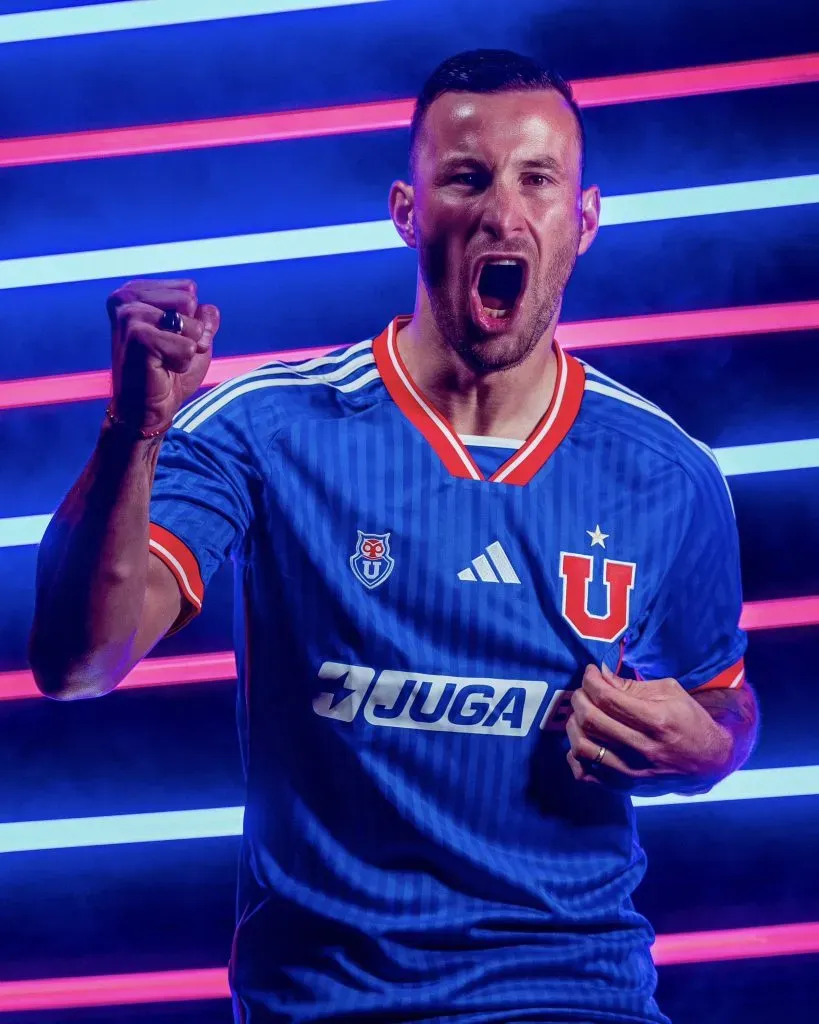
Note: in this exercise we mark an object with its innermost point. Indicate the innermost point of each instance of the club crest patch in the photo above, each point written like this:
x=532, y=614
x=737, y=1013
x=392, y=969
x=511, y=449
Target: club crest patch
x=371, y=563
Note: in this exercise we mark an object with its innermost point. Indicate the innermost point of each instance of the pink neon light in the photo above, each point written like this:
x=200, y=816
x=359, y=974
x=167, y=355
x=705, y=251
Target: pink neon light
x=221, y=665
x=781, y=614
x=114, y=990
x=198, y=985
x=737, y=944
x=298, y=124
x=695, y=325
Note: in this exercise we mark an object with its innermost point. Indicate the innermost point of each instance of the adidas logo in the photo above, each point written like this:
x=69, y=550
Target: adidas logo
x=493, y=567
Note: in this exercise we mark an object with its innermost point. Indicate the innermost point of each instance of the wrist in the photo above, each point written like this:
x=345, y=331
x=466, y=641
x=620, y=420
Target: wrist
x=115, y=421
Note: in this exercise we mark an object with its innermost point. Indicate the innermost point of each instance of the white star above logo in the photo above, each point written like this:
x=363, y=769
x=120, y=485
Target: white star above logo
x=597, y=536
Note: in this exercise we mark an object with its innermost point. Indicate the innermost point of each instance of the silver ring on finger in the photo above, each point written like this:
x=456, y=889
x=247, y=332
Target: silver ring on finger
x=172, y=321
x=598, y=760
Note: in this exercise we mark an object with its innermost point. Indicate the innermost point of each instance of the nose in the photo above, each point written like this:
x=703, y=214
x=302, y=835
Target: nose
x=502, y=213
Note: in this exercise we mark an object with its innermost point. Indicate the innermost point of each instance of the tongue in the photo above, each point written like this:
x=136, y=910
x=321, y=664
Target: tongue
x=499, y=285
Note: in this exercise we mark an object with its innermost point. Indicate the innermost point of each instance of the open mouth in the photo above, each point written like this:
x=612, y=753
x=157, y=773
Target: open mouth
x=498, y=289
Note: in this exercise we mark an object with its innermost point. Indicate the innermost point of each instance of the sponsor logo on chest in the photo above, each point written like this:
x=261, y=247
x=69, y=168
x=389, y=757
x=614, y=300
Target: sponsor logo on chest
x=409, y=700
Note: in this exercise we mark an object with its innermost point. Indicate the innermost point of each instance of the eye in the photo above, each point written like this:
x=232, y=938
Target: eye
x=539, y=180
x=469, y=178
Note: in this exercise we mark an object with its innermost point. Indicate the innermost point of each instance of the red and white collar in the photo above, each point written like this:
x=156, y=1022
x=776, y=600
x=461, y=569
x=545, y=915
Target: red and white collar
x=519, y=469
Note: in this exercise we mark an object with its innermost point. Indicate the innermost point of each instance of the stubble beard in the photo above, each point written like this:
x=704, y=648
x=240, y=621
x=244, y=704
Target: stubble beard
x=488, y=354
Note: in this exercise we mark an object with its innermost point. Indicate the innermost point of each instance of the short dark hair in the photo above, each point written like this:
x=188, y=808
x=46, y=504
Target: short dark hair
x=491, y=71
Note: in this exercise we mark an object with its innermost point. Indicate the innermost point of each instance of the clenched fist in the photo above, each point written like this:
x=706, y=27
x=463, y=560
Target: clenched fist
x=156, y=371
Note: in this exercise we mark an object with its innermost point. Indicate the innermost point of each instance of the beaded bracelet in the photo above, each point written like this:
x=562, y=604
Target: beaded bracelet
x=146, y=435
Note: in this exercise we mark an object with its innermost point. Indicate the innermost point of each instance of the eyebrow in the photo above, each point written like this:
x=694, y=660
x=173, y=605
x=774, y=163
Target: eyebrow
x=534, y=163
x=543, y=162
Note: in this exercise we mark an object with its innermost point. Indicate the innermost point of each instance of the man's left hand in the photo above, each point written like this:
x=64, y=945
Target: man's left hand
x=657, y=738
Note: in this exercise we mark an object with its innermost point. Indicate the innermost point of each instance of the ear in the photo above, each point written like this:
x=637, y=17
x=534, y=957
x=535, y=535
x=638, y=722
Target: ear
x=402, y=211
x=590, y=217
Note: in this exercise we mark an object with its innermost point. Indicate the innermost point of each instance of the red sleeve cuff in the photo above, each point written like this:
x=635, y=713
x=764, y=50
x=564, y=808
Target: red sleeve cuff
x=183, y=564
x=730, y=678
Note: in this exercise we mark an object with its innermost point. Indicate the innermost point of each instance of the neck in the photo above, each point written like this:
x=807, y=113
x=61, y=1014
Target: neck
x=500, y=403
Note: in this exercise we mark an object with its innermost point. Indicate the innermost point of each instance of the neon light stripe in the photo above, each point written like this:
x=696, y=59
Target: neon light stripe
x=120, y=829
x=374, y=236
x=212, y=983
x=168, y=257
x=707, y=200
x=299, y=124
x=20, y=531
x=133, y=14
x=225, y=822
x=695, y=325
x=221, y=665
x=769, y=458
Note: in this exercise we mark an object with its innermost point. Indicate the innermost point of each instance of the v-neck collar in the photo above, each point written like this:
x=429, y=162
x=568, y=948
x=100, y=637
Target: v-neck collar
x=520, y=467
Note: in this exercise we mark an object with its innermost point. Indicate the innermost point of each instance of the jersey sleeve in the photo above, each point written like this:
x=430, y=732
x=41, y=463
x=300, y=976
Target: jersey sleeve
x=692, y=631
x=201, y=501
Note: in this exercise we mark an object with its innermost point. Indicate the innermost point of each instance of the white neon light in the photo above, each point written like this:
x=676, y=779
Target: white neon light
x=220, y=822
x=372, y=236
x=20, y=531
x=128, y=14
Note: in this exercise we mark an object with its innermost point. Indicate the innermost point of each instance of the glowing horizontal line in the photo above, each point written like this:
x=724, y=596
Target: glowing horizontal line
x=707, y=200
x=132, y=14
x=771, y=457
x=212, y=983
x=222, y=822
x=693, y=325
x=374, y=236
x=753, y=784
x=367, y=117
x=20, y=531
x=221, y=665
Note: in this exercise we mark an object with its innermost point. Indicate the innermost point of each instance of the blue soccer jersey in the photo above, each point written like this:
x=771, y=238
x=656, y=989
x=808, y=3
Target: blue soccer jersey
x=413, y=608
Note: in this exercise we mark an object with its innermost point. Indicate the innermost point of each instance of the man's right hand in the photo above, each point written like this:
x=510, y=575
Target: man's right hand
x=154, y=371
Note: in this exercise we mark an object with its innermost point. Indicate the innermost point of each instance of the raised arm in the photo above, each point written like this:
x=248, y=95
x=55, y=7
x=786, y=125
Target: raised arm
x=102, y=600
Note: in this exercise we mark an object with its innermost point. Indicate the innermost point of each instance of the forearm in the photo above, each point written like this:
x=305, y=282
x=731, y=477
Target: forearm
x=737, y=712
x=92, y=570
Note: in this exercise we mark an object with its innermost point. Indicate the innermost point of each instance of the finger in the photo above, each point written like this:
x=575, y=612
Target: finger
x=132, y=313
x=587, y=750
x=147, y=283
x=595, y=723
x=579, y=771
x=641, y=714
x=211, y=319
x=167, y=299
x=174, y=351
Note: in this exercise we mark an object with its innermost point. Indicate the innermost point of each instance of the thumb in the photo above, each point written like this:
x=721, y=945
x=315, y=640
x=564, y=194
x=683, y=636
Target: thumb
x=210, y=317
x=615, y=680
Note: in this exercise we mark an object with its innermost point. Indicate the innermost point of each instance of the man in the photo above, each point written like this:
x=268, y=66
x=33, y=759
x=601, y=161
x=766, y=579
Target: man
x=447, y=542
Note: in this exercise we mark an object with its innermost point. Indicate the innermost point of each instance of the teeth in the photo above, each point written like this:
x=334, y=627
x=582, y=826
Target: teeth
x=504, y=263
x=496, y=314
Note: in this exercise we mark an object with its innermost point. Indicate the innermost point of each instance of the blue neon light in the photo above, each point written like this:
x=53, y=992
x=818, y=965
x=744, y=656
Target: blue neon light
x=339, y=239
x=219, y=822
x=129, y=14
x=21, y=531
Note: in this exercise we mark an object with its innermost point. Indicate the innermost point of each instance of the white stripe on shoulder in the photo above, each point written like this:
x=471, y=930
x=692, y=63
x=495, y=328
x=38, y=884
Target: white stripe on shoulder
x=614, y=383
x=631, y=398
x=258, y=385
x=276, y=368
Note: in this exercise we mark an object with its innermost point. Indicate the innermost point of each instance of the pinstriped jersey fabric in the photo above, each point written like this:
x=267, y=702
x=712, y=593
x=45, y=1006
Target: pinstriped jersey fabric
x=415, y=845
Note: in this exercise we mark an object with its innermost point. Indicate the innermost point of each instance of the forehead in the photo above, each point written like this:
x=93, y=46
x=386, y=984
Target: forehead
x=500, y=125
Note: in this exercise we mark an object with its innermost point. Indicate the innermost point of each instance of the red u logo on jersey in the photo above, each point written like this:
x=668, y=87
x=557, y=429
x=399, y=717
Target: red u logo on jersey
x=578, y=572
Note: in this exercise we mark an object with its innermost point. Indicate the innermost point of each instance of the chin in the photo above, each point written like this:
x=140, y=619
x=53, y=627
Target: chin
x=495, y=351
